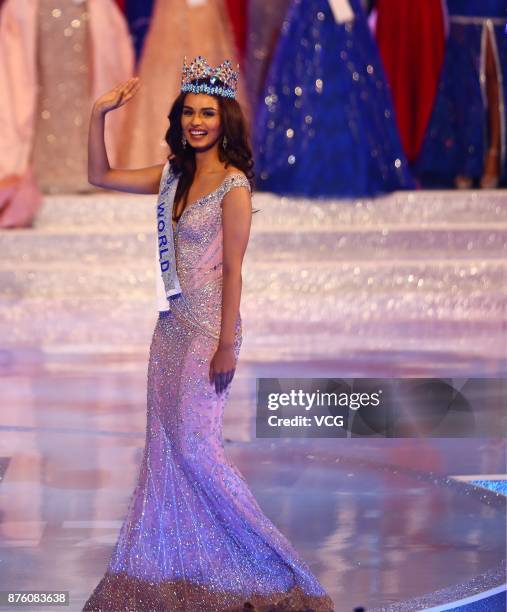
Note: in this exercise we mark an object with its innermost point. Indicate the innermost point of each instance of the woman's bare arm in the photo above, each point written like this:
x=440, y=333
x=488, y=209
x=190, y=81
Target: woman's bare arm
x=236, y=222
x=100, y=173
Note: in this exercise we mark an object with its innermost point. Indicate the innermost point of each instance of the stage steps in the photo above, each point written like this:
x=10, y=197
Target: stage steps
x=422, y=270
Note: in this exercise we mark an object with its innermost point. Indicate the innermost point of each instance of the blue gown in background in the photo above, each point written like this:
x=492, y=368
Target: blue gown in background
x=456, y=142
x=326, y=126
x=139, y=15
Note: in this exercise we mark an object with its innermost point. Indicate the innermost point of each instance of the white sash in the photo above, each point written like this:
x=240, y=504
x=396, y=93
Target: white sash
x=165, y=234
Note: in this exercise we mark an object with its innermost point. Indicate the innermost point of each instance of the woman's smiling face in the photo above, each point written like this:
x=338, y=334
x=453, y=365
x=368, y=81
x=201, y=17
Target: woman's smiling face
x=200, y=121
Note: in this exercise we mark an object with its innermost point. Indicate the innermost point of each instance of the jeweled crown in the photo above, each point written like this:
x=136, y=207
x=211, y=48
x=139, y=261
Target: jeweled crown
x=200, y=69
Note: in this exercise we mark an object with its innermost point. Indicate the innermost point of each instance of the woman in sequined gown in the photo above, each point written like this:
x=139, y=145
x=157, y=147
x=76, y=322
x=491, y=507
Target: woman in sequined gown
x=194, y=538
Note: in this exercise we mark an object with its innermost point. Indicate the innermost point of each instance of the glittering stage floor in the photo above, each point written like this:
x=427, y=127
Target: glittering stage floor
x=408, y=285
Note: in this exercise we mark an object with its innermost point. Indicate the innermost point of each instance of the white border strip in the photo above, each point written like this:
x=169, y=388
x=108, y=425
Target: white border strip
x=467, y=600
x=467, y=477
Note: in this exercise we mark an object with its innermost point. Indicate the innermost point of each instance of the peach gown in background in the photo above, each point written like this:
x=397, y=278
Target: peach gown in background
x=178, y=28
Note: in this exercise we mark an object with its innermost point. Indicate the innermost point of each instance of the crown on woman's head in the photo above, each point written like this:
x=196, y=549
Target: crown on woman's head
x=200, y=69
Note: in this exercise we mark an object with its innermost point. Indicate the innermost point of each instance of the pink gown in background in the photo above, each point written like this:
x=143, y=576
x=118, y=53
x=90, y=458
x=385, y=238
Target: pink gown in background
x=194, y=538
x=56, y=58
x=178, y=28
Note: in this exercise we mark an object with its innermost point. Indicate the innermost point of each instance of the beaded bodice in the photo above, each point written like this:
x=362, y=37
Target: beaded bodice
x=198, y=241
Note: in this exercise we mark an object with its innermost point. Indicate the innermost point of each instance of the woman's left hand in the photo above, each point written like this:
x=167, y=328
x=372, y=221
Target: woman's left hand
x=222, y=368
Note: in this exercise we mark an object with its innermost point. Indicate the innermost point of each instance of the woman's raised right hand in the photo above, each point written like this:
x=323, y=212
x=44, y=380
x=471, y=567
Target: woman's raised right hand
x=118, y=96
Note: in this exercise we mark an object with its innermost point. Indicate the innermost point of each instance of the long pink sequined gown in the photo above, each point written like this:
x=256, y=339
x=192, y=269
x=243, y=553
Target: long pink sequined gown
x=194, y=538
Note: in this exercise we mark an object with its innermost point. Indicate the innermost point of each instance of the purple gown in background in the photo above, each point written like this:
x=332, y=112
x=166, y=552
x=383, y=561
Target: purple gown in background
x=194, y=538
x=138, y=14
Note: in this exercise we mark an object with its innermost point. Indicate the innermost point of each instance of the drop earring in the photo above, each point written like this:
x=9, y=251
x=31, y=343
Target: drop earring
x=184, y=142
x=224, y=142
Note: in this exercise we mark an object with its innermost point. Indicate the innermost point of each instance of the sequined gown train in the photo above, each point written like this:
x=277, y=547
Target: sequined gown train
x=194, y=538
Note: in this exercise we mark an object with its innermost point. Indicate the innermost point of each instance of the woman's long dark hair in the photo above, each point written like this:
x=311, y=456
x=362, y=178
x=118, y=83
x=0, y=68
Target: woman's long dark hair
x=238, y=152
